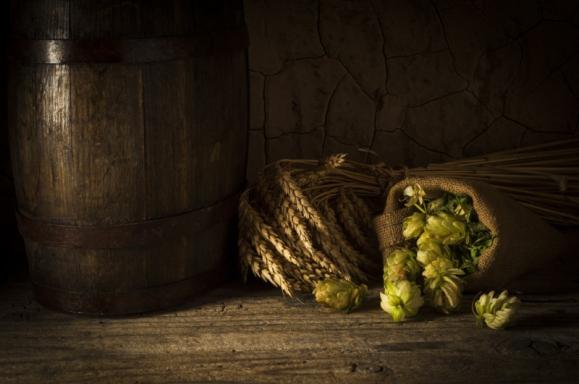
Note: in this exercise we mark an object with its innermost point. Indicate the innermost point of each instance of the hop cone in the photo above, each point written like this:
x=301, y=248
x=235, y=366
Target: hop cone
x=462, y=206
x=414, y=195
x=340, y=294
x=447, y=228
x=429, y=250
x=425, y=237
x=401, y=264
x=401, y=299
x=442, y=284
x=495, y=312
x=436, y=205
x=413, y=225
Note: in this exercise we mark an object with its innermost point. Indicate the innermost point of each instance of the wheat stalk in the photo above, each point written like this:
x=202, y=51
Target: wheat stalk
x=361, y=210
x=312, y=261
x=262, y=237
x=252, y=261
x=348, y=217
x=355, y=257
x=281, y=234
x=299, y=200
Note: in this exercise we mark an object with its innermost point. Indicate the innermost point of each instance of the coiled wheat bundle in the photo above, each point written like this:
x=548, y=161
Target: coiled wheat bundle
x=292, y=238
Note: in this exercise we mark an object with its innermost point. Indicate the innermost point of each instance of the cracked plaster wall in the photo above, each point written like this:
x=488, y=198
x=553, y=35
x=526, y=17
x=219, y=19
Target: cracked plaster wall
x=415, y=81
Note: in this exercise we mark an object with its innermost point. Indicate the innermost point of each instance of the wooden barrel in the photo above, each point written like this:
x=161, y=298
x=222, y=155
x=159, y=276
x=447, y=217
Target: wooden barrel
x=128, y=126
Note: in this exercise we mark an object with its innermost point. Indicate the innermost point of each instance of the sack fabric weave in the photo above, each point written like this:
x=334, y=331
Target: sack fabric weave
x=523, y=241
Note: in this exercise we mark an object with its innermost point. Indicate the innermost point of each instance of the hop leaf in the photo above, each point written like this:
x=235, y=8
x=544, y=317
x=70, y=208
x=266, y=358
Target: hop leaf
x=495, y=312
x=414, y=195
x=413, y=225
x=340, y=294
x=447, y=228
x=401, y=299
x=401, y=264
x=442, y=284
x=430, y=249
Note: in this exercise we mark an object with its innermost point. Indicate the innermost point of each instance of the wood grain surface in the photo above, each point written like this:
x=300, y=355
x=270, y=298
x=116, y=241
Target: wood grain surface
x=98, y=144
x=241, y=334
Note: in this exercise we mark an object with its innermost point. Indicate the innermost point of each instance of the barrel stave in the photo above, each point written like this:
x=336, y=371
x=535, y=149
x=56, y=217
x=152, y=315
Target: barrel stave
x=109, y=144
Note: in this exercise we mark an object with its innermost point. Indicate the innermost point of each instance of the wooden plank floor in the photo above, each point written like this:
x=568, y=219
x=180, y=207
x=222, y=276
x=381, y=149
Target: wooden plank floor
x=240, y=334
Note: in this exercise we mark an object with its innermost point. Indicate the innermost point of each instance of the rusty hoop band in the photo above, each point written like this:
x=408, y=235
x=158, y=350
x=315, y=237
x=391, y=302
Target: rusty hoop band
x=130, y=235
x=143, y=50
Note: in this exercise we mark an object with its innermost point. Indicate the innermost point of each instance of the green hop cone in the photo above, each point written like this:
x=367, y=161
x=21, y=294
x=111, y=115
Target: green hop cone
x=429, y=250
x=442, y=284
x=340, y=294
x=495, y=312
x=401, y=264
x=449, y=229
x=401, y=299
x=424, y=238
x=413, y=225
x=436, y=205
x=414, y=195
x=461, y=205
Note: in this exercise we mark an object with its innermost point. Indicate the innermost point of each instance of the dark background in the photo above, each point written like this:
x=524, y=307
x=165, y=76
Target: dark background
x=416, y=80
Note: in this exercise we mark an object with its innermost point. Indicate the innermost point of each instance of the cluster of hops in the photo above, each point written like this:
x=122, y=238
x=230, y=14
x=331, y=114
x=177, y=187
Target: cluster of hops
x=304, y=222
x=443, y=242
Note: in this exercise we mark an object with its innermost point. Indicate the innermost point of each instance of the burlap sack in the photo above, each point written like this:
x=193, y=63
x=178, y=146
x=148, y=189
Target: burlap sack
x=523, y=240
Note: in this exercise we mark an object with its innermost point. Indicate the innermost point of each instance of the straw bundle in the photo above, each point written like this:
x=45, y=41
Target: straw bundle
x=288, y=240
x=307, y=220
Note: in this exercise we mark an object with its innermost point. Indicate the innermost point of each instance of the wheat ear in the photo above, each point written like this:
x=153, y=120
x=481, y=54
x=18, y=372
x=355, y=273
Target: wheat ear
x=311, y=178
x=262, y=236
x=250, y=260
x=304, y=209
x=285, y=219
x=332, y=245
